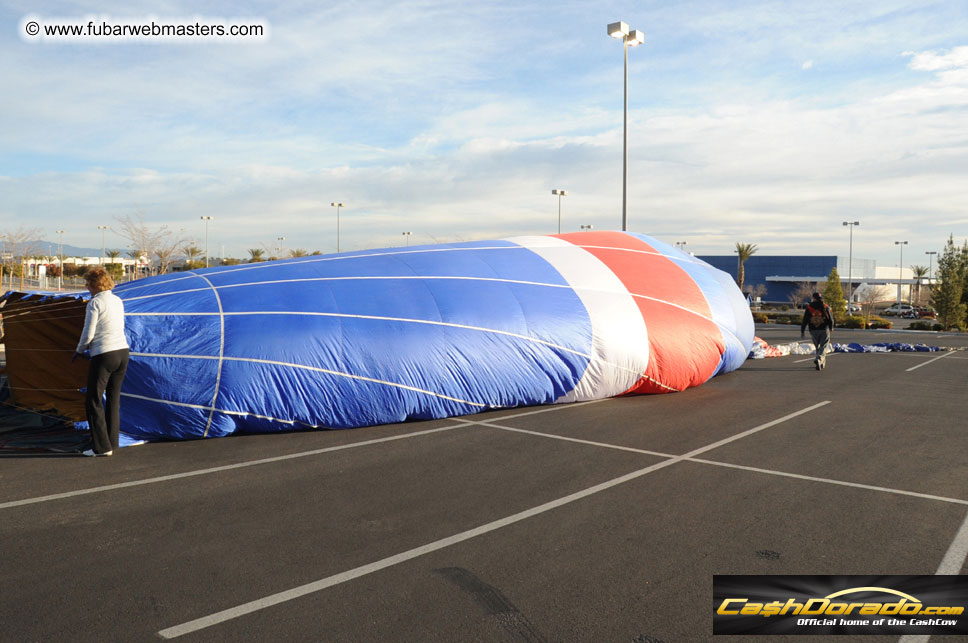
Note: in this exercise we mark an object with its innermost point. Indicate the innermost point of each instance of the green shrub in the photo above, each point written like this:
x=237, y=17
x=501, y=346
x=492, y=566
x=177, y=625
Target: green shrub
x=116, y=270
x=924, y=325
x=879, y=322
x=760, y=318
x=854, y=321
x=785, y=319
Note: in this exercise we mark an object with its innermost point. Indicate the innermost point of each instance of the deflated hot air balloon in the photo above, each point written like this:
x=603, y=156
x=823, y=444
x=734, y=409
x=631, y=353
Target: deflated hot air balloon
x=381, y=336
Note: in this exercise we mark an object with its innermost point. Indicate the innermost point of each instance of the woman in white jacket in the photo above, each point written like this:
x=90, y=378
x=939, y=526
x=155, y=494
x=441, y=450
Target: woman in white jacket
x=103, y=336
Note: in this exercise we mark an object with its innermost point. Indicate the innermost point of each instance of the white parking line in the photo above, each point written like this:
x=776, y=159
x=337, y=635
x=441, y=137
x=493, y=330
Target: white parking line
x=310, y=588
x=227, y=467
x=728, y=465
x=943, y=355
x=951, y=564
x=252, y=463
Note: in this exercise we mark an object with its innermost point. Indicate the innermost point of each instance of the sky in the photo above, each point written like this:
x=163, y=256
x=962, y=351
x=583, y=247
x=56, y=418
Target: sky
x=764, y=122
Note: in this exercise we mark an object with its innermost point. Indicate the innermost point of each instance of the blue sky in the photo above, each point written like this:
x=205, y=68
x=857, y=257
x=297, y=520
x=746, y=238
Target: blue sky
x=758, y=122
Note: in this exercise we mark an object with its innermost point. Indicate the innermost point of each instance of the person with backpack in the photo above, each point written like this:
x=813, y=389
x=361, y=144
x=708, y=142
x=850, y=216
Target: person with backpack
x=818, y=317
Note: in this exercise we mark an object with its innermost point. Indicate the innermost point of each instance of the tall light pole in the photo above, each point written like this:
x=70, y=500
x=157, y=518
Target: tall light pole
x=60, y=258
x=337, y=205
x=587, y=227
x=930, y=254
x=559, y=194
x=102, y=228
x=206, y=220
x=900, y=268
x=279, y=246
x=681, y=245
x=850, y=261
x=406, y=236
x=629, y=39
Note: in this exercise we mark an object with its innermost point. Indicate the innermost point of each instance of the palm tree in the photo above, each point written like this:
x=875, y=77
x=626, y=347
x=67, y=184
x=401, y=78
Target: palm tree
x=255, y=255
x=298, y=252
x=745, y=251
x=191, y=251
x=112, y=255
x=920, y=272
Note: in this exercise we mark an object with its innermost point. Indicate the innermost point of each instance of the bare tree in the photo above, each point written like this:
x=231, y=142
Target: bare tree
x=22, y=242
x=161, y=243
x=803, y=292
x=165, y=251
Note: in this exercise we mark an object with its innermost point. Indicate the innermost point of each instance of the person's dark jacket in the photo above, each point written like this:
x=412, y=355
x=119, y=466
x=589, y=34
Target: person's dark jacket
x=816, y=309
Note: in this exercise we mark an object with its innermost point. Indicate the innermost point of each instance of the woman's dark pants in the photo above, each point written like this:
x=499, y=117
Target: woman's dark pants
x=105, y=375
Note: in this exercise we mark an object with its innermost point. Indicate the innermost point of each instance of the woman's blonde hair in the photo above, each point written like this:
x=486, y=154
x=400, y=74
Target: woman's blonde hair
x=99, y=278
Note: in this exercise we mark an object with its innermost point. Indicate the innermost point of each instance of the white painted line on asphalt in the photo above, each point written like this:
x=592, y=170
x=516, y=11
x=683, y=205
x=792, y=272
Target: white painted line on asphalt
x=943, y=355
x=957, y=553
x=842, y=483
x=227, y=467
x=251, y=463
x=563, y=438
x=310, y=588
x=729, y=465
x=951, y=564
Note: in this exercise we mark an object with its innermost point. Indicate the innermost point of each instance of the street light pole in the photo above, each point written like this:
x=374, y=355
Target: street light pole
x=850, y=262
x=587, y=227
x=930, y=254
x=900, y=269
x=206, y=220
x=406, y=235
x=60, y=258
x=559, y=193
x=279, y=246
x=102, y=228
x=337, y=205
x=629, y=39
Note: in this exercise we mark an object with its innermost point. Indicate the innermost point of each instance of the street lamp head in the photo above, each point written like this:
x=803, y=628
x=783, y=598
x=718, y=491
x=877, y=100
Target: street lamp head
x=900, y=243
x=207, y=218
x=560, y=192
x=635, y=38
x=618, y=29
x=336, y=204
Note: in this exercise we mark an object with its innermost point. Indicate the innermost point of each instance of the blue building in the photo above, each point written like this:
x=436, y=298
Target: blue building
x=783, y=275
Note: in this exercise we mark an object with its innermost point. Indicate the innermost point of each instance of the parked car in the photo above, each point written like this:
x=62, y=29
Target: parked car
x=898, y=309
x=853, y=308
x=919, y=312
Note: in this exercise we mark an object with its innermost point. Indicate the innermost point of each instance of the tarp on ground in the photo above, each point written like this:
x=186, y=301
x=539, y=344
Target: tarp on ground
x=381, y=336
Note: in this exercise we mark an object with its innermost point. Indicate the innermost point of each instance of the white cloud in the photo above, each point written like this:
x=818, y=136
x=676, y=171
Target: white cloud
x=463, y=136
x=934, y=60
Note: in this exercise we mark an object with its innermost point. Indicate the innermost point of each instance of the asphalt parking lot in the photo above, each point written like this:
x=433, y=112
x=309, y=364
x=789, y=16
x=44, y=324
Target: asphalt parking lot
x=602, y=521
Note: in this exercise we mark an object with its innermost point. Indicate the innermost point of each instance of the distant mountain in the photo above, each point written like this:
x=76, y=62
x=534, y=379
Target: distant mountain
x=50, y=248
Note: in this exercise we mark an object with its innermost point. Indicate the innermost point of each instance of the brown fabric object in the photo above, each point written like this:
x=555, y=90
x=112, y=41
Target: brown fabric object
x=39, y=337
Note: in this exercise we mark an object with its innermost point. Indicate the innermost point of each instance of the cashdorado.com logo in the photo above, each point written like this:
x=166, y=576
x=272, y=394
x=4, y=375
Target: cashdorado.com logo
x=840, y=605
